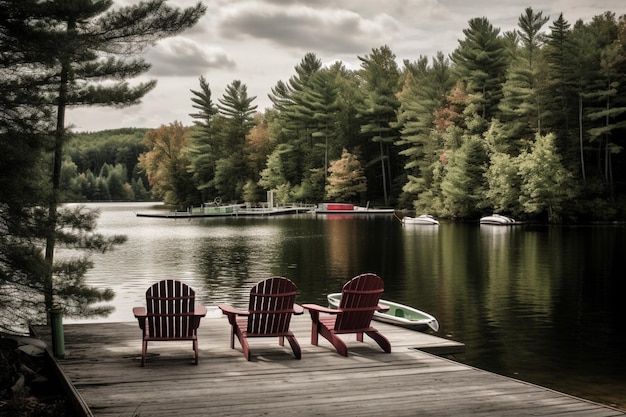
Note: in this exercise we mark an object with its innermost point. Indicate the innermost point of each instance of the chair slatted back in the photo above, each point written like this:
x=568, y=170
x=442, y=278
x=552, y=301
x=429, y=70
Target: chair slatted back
x=170, y=305
x=271, y=307
x=359, y=300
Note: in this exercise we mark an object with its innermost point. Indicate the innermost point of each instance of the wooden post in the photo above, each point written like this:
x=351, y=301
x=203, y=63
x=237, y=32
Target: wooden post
x=58, y=339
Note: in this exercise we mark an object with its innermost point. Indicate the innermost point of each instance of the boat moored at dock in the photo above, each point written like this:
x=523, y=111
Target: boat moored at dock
x=498, y=220
x=424, y=219
x=398, y=314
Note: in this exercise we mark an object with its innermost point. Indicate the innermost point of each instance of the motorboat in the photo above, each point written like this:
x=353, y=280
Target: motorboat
x=424, y=219
x=498, y=220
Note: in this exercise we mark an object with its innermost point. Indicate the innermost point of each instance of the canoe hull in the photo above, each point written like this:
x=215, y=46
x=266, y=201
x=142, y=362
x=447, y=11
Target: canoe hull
x=398, y=314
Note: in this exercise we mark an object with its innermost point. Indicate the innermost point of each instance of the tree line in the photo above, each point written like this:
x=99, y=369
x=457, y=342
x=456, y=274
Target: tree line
x=529, y=122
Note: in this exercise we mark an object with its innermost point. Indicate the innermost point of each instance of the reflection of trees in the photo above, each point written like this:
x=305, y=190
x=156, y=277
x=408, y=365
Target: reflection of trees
x=422, y=272
x=232, y=262
x=342, y=252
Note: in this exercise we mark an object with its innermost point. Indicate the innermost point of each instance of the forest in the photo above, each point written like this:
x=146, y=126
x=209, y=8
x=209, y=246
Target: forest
x=528, y=123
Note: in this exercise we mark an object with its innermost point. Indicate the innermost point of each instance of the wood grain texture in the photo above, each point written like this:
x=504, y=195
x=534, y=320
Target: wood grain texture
x=102, y=362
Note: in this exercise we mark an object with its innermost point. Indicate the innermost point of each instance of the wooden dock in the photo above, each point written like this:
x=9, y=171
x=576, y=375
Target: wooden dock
x=102, y=363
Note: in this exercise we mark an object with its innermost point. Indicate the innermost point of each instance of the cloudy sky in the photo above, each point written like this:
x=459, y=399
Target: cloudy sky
x=259, y=42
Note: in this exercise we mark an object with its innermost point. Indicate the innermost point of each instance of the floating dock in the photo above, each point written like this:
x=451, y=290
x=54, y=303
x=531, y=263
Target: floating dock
x=243, y=212
x=101, y=365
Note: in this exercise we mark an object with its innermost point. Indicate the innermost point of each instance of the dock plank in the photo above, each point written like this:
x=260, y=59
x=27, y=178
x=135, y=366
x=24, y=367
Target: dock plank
x=102, y=363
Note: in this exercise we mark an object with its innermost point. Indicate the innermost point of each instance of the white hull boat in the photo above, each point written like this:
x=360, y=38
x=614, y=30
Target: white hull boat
x=498, y=220
x=424, y=219
x=398, y=314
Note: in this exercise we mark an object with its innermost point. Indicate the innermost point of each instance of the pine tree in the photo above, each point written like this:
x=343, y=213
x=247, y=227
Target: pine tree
x=203, y=151
x=464, y=184
x=481, y=61
x=563, y=64
x=378, y=112
x=424, y=94
x=236, y=111
x=93, y=43
x=58, y=54
x=523, y=106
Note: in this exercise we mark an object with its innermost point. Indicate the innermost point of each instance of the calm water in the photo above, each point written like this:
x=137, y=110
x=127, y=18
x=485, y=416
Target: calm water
x=542, y=304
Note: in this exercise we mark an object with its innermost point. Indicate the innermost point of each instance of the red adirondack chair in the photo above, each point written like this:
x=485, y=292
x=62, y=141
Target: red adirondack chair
x=359, y=300
x=170, y=314
x=271, y=306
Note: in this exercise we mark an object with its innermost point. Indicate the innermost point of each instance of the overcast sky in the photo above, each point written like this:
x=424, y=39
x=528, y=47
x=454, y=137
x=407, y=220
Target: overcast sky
x=259, y=42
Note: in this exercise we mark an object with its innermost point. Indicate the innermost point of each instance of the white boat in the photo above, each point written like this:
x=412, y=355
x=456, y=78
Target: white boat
x=498, y=220
x=425, y=219
x=398, y=314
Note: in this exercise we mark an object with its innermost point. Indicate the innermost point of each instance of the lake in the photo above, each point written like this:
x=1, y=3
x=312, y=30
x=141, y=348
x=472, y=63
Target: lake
x=543, y=304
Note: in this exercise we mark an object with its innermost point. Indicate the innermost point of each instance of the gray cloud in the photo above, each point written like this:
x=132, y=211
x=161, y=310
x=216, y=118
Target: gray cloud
x=184, y=57
x=306, y=28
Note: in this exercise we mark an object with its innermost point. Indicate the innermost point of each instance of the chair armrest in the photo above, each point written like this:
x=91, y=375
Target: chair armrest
x=297, y=309
x=382, y=308
x=320, y=309
x=140, y=312
x=229, y=310
x=199, y=311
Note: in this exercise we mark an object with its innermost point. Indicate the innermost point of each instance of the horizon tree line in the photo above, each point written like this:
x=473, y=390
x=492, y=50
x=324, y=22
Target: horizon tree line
x=529, y=122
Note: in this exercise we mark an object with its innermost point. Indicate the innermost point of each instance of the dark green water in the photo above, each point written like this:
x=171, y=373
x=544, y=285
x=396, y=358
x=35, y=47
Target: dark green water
x=542, y=304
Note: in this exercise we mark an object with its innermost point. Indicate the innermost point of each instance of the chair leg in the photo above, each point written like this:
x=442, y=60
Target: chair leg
x=382, y=341
x=245, y=347
x=195, y=349
x=339, y=345
x=295, y=346
x=243, y=341
x=314, y=334
x=144, y=350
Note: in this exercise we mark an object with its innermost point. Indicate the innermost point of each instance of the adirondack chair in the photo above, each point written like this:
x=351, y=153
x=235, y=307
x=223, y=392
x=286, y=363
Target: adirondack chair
x=359, y=300
x=170, y=314
x=271, y=306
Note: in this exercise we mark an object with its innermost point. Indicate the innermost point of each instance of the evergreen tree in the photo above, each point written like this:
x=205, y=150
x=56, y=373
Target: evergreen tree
x=504, y=184
x=464, y=183
x=523, y=106
x=237, y=111
x=481, y=61
x=563, y=66
x=378, y=112
x=546, y=186
x=612, y=114
x=292, y=129
x=423, y=95
x=272, y=176
x=203, y=151
x=77, y=46
x=321, y=98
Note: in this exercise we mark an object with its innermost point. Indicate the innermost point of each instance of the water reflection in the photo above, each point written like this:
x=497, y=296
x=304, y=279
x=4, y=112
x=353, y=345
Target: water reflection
x=542, y=304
